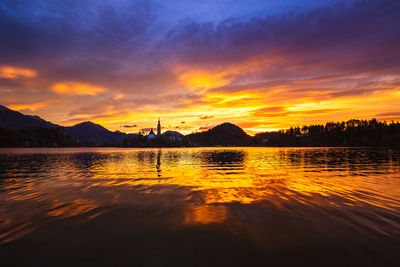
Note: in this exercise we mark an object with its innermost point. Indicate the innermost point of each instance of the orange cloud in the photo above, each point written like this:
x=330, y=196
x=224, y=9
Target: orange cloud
x=197, y=78
x=31, y=107
x=74, y=88
x=8, y=72
x=228, y=94
x=118, y=96
x=206, y=117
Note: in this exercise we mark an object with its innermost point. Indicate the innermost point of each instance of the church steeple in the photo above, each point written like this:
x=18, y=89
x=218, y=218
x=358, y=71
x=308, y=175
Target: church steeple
x=158, y=127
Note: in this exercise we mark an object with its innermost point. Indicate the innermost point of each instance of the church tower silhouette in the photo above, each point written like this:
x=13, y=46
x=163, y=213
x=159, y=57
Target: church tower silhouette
x=159, y=128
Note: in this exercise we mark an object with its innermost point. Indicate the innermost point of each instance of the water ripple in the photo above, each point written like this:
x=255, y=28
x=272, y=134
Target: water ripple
x=331, y=194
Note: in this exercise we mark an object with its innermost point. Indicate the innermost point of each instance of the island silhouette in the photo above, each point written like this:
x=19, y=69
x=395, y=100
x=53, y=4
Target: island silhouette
x=20, y=130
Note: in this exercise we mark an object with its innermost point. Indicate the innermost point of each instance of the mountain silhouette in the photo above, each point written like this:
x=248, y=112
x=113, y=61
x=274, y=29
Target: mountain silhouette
x=89, y=132
x=14, y=120
x=20, y=129
x=17, y=129
x=172, y=135
x=226, y=134
x=36, y=137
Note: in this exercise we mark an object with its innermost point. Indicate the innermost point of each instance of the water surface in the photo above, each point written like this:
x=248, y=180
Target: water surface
x=200, y=207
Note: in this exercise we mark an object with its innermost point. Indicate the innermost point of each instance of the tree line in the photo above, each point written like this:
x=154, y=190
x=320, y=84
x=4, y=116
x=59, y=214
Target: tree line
x=351, y=133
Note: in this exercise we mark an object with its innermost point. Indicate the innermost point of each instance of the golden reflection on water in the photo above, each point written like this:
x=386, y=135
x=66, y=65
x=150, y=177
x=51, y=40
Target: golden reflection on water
x=248, y=175
x=72, y=182
x=68, y=209
x=205, y=214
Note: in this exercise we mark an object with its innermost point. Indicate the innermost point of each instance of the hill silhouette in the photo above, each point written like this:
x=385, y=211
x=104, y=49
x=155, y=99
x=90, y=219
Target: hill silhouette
x=91, y=133
x=36, y=137
x=226, y=134
x=172, y=134
x=14, y=120
x=17, y=129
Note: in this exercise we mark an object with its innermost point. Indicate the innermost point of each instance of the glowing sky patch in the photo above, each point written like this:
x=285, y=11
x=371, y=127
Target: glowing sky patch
x=8, y=72
x=29, y=107
x=76, y=88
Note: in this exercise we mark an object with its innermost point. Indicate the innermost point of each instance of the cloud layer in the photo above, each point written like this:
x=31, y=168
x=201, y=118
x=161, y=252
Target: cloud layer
x=261, y=65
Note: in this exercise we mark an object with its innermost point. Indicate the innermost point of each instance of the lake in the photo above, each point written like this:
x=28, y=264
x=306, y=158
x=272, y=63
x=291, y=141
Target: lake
x=200, y=207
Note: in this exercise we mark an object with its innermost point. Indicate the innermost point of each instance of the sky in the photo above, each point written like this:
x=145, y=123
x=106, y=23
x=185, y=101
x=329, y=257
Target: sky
x=263, y=65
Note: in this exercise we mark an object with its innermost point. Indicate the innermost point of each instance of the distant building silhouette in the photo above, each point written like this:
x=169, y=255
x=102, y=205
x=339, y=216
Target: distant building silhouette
x=151, y=135
x=159, y=128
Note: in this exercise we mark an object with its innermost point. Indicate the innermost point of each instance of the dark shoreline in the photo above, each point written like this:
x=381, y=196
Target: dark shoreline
x=394, y=147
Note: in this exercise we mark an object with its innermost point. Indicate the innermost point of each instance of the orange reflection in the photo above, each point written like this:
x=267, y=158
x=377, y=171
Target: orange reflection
x=205, y=214
x=67, y=209
x=200, y=182
x=16, y=233
x=245, y=175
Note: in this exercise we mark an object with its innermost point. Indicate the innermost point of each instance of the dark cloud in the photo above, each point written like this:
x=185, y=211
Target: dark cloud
x=130, y=126
x=147, y=129
x=396, y=118
x=359, y=36
x=388, y=114
x=206, y=117
x=92, y=42
x=71, y=29
x=83, y=40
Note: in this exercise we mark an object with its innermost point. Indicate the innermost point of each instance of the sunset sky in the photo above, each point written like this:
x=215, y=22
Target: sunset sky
x=263, y=65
